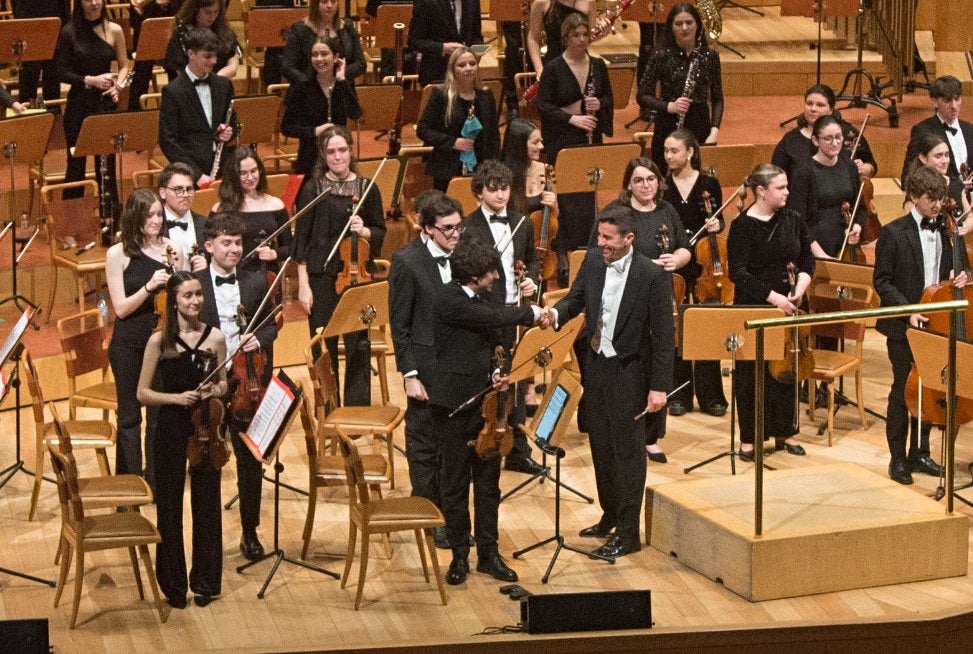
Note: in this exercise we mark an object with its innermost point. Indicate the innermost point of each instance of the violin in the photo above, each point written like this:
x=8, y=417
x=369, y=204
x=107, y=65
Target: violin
x=248, y=372
x=496, y=437
x=161, y=295
x=867, y=196
x=934, y=402
x=798, y=362
x=678, y=281
x=545, y=227
x=205, y=442
x=354, y=252
x=850, y=253
x=714, y=285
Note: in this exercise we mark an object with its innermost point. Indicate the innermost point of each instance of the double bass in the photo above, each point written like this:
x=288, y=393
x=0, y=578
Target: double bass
x=678, y=281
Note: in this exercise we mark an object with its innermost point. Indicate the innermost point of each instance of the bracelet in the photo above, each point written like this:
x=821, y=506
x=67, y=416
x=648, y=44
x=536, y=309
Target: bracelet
x=146, y=287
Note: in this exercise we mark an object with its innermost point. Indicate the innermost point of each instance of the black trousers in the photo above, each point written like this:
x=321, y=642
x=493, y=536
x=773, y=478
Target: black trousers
x=460, y=466
x=30, y=79
x=249, y=475
x=126, y=366
x=513, y=61
x=613, y=395
x=206, y=575
x=778, y=401
x=358, y=384
x=898, y=423
x=422, y=451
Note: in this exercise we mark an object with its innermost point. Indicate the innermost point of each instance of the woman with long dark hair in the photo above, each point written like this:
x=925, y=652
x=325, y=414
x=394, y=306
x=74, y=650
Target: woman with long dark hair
x=522, y=148
x=663, y=86
x=203, y=13
x=322, y=21
x=933, y=151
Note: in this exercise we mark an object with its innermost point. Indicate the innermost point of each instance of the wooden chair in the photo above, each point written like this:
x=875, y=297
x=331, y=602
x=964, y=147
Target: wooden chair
x=382, y=516
x=460, y=188
x=84, y=340
x=379, y=421
x=82, y=533
x=329, y=469
x=94, y=434
x=72, y=225
x=830, y=365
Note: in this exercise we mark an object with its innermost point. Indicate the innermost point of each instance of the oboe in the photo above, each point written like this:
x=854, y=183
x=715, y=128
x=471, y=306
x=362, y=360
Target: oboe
x=219, y=146
x=690, y=86
x=589, y=92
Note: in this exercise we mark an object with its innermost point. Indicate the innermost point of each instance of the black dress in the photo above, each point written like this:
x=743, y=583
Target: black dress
x=314, y=237
x=176, y=374
x=795, y=148
x=817, y=192
x=306, y=107
x=296, y=58
x=258, y=225
x=177, y=58
x=553, y=19
x=758, y=252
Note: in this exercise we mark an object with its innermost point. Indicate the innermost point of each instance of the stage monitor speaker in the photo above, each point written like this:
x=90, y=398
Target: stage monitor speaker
x=24, y=636
x=600, y=611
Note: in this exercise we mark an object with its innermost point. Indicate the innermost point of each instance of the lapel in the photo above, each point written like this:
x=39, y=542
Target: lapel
x=596, y=287
x=193, y=100
x=210, y=314
x=915, y=247
x=427, y=265
x=627, y=302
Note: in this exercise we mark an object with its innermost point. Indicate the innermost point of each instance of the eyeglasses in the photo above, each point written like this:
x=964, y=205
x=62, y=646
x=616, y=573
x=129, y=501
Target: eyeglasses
x=644, y=181
x=181, y=191
x=447, y=230
x=837, y=138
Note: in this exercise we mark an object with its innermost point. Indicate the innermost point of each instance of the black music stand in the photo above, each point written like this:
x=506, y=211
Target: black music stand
x=538, y=350
x=548, y=426
x=263, y=438
x=11, y=350
x=709, y=331
x=857, y=76
x=30, y=39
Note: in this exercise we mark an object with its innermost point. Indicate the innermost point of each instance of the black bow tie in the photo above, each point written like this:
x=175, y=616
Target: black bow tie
x=932, y=224
x=170, y=224
x=951, y=130
x=200, y=81
x=494, y=218
x=442, y=261
x=229, y=279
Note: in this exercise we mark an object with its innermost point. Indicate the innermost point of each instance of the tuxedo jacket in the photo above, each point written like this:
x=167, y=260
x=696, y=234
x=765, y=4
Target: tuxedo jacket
x=477, y=225
x=934, y=125
x=434, y=23
x=414, y=286
x=466, y=331
x=184, y=133
x=199, y=227
x=898, y=275
x=644, y=327
x=253, y=287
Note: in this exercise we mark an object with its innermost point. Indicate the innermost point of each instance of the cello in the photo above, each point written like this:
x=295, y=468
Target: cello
x=678, y=281
x=714, y=285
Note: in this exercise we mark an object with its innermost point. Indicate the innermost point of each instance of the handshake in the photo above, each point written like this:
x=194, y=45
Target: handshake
x=546, y=318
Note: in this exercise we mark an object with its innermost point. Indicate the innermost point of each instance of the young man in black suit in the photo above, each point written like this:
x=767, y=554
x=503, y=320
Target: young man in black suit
x=466, y=331
x=437, y=28
x=194, y=106
x=512, y=234
x=946, y=94
x=418, y=277
x=912, y=252
x=628, y=301
x=183, y=226
x=225, y=289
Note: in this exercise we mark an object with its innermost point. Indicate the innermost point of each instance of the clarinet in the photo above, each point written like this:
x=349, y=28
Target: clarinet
x=589, y=92
x=690, y=85
x=219, y=146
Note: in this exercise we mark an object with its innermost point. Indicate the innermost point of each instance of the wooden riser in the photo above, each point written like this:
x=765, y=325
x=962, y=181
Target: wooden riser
x=826, y=528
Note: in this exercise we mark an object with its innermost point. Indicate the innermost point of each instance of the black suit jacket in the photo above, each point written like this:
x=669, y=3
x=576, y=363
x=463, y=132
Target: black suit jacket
x=643, y=329
x=199, y=227
x=433, y=23
x=42, y=9
x=934, y=125
x=898, y=274
x=184, y=133
x=444, y=161
x=466, y=332
x=253, y=287
x=477, y=225
x=414, y=286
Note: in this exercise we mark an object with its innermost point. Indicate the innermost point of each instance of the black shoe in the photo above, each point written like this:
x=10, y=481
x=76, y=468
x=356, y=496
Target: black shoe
x=615, y=547
x=250, y=547
x=457, y=572
x=717, y=409
x=925, y=465
x=439, y=537
x=523, y=464
x=204, y=600
x=597, y=531
x=177, y=602
x=677, y=408
x=794, y=448
x=899, y=471
x=496, y=567
x=657, y=457
x=820, y=399
x=746, y=456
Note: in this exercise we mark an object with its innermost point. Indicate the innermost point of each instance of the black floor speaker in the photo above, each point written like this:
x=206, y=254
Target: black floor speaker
x=24, y=636
x=601, y=611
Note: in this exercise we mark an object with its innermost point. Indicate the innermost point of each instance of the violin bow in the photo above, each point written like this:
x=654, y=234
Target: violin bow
x=354, y=212
x=229, y=357
x=695, y=237
x=851, y=223
x=267, y=296
x=858, y=140
x=277, y=232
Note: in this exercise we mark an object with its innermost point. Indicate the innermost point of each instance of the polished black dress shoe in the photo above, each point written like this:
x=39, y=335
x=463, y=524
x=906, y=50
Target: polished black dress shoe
x=177, y=602
x=657, y=457
x=792, y=448
x=717, y=409
x=899, y=471
x=615, y=547
x=926, y=466
x=251, y=548
x=496, y=567
x=439, y=537
x=677, y=408
x=596, y=531
x=204, y=600
x=746, y=455
x=523, y=464
x=457, y=572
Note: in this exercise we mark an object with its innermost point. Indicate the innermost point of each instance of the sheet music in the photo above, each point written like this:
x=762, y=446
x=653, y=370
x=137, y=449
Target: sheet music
x=270, y=416
x=14, y=336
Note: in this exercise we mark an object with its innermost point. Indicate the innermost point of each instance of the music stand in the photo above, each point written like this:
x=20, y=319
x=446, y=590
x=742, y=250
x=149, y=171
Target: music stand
x=154, y=37
x=263, y=438
x=930, y=352
x=30, y=39
x=857, y=76
x=708, y=333
x=269, y=28
x=548, y=427
x=11, y=350
x=538, y=350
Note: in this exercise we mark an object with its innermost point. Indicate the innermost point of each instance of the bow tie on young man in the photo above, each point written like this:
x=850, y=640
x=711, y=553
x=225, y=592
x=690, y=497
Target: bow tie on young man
x=229, y=279
x=200, y=81
x=950, y=129
x=181, y=224
x=494, y=218
x=932, y=224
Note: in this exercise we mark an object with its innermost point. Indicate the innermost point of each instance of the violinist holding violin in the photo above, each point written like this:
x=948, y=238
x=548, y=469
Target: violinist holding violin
x=912, y=253
x=177, y=359
x=228, y=288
